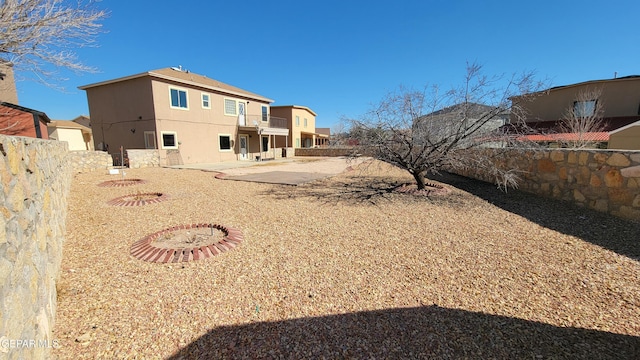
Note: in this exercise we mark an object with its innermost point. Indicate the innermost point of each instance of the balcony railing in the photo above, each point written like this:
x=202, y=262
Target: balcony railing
x=272, y=121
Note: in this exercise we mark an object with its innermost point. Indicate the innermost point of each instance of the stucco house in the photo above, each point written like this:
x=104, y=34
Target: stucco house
x=301, y=122
x=79, y=137
x=618, y=99
x=188, y=118
x=83, y=120
x=18, y=120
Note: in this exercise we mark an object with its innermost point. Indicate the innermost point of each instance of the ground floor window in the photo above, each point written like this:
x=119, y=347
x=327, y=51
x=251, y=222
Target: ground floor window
x=297, y=142
x=265, y=143
x=225, y=142
x=169, y=139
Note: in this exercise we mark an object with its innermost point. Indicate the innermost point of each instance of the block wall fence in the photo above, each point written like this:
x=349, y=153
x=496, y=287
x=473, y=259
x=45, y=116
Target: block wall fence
x=35, y=177
x=604, y=180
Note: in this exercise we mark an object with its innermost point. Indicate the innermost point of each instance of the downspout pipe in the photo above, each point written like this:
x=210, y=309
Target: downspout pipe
x=36, y=125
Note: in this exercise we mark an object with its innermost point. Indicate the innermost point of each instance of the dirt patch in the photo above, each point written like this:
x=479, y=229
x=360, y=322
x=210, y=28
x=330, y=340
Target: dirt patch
x=188, y=238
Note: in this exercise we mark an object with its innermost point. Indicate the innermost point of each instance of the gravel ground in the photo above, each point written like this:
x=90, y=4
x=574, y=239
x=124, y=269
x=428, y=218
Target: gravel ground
x=345, y=268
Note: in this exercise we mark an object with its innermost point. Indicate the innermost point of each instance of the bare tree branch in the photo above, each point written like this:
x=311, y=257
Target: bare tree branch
x=583, y=119
x=39, y=33
x=425, y=132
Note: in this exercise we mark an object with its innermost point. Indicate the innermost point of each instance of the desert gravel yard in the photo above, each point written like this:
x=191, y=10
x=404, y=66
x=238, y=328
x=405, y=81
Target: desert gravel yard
x=344, y=267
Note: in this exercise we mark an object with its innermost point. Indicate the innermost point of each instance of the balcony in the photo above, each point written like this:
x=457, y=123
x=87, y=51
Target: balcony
x=272, y=122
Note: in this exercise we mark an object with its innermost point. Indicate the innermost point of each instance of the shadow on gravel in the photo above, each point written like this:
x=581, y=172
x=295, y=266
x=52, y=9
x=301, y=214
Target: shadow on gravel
x=408, y=333
x=607, y=231
x=363, y=190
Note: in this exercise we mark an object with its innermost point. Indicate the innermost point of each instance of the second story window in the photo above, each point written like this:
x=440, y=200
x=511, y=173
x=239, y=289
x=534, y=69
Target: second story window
x=178, y=98
x=230, y=107
x=305, y=122
x=265, y=113
x=297, y=120
x=206, y=101
x=582, y=109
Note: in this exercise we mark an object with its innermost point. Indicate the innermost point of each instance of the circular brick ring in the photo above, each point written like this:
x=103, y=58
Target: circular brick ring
x=121, y=183
x=186, y=243
x=138, y=199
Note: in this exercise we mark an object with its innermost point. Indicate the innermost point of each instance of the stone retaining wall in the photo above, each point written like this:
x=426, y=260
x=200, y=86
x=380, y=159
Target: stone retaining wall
x=323, y=151
x=604, y=180
x=86, y=161
x=36, y=177
x=143, y=158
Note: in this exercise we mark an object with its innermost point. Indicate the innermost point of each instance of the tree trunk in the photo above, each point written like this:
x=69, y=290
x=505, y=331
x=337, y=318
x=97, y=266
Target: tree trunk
x=419, y=180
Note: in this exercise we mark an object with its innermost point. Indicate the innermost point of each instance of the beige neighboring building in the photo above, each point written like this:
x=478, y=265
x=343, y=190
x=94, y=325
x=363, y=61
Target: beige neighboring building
x=301, y=122
x=620, y=100
x=188, y=117
x=8, y=91
x=78, y=136
x=83, y=120
x=626, y=137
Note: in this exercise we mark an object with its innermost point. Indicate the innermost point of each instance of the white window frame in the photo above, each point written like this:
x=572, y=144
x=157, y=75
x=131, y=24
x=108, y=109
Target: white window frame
x=152, y=137
x=202, y=96
x=175, y=137
x=186, y=91
x=297, y=120
x=230, y=149
x=305, y=122
x=297, y=142
x=265, y=114
x=235, y=107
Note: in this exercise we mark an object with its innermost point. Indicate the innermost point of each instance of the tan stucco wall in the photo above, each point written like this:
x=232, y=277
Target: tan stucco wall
x=119, y=107
x=628, y=139
x=295, y=131
x=198, y=128
x=619, y=98
x=72, y=136
x=8, y=91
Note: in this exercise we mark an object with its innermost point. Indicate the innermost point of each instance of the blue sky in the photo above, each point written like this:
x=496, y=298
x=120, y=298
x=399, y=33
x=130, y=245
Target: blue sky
x=339, y=57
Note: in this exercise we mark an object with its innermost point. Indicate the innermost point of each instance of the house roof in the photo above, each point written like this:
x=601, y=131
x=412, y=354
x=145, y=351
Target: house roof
x=636, y=123
x=589, y=82
x=295, y=107
x=67, y=124
x=590, y=136
x=42, y=115
x=608, y=124
x=187, y=78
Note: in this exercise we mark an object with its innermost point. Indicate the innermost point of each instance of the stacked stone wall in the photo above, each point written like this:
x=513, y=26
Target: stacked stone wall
x=87, y=161
x=604, y=180
x=143, y=158
x=323, y=151
x=35, y=176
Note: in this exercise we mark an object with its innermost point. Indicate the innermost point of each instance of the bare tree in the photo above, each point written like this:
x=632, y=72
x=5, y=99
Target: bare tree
x=40, y=33
x=583, y=120
x=428, y=131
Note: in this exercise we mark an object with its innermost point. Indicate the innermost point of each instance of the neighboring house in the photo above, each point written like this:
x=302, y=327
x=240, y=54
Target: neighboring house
x=17, y=120
x=301, y=122
x=78, y=136
x=325, y=137
x=626, y=137
x=188, y=117
x=619, y=99
x=8, y=91
x=83, y=120
x=444, y=123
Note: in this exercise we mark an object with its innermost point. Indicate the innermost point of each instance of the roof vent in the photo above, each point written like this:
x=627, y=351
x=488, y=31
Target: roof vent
x=179, y=68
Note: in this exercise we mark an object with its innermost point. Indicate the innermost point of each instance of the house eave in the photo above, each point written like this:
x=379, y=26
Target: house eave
x=153, y=74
